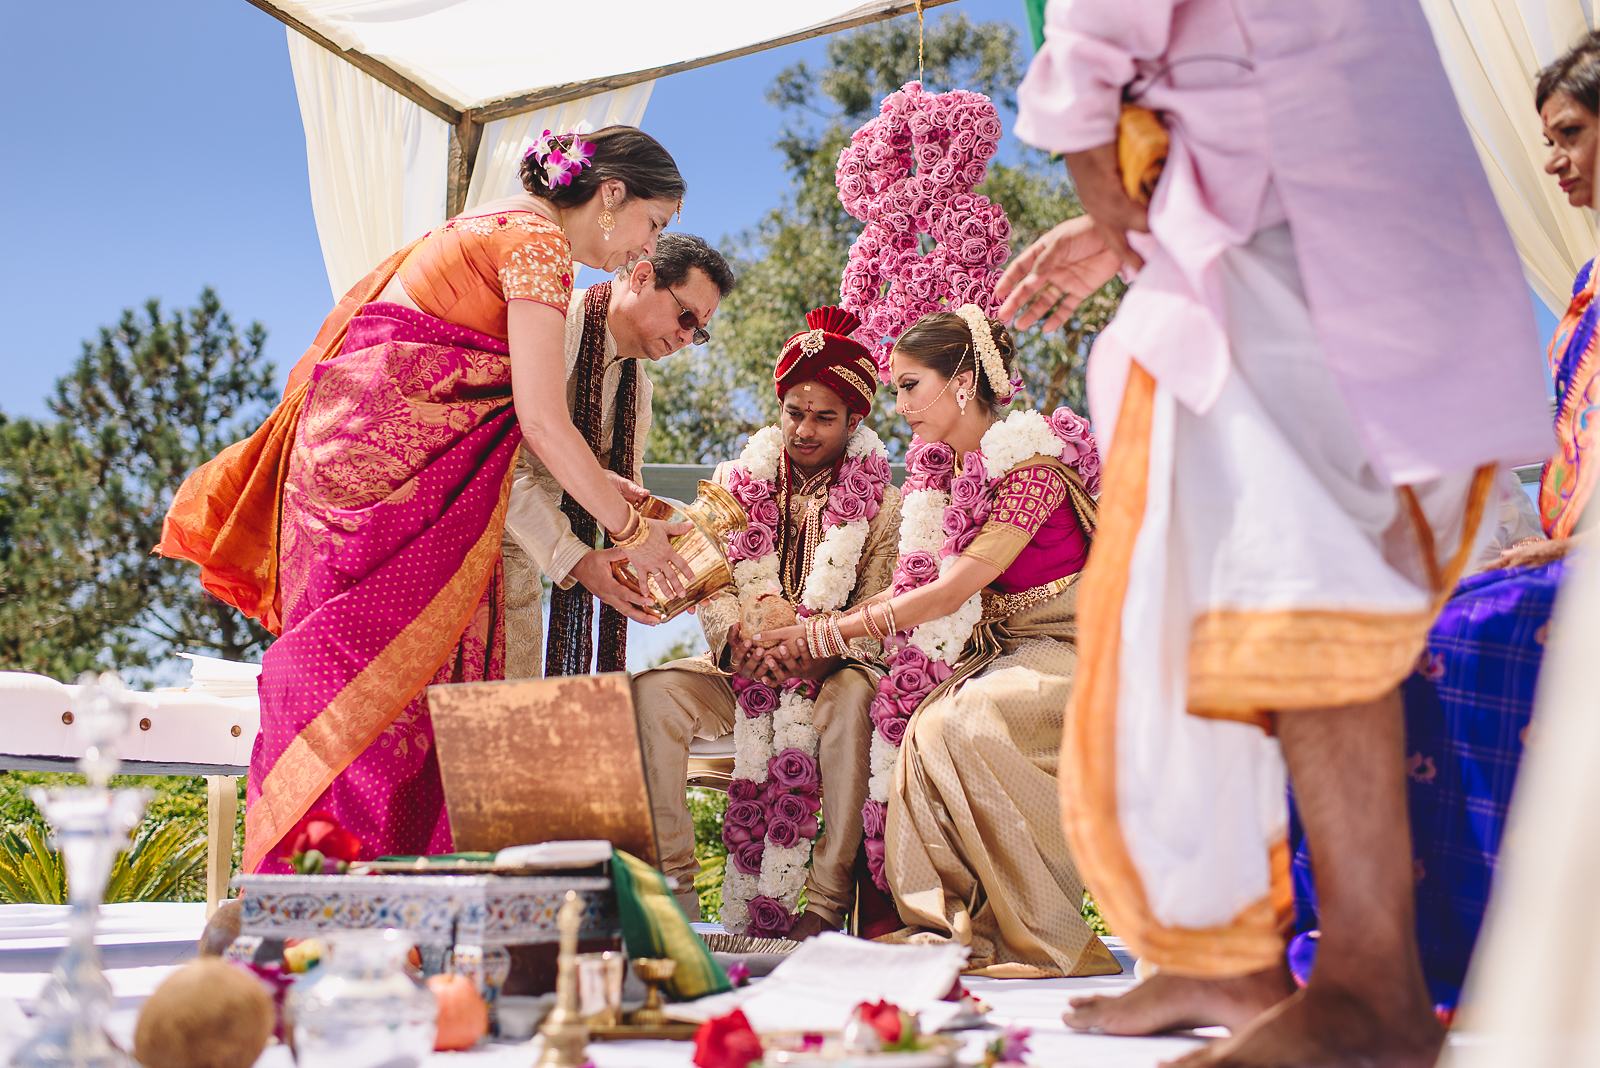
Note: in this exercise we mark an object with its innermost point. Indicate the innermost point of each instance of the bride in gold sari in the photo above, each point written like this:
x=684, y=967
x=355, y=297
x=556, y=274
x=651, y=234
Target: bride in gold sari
x=963, y=824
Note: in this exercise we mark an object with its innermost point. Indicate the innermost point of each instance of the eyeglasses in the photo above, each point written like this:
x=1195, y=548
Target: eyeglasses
x=687, y=321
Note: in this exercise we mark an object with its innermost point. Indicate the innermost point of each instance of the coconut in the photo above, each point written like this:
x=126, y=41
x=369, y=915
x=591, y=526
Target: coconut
x=769, y=613
x=222, y=928
x=207, y=1014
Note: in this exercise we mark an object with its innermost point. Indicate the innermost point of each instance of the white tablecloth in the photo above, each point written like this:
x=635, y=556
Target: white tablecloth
x=142, y=943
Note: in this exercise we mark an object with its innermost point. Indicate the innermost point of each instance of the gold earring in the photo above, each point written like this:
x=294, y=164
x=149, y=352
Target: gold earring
x=961, y=400
x=608, y=223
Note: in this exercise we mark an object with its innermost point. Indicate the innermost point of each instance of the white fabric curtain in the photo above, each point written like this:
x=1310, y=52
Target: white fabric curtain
x=500, y=151
x=469, y=53
x=377, y=162
x=1493, y=51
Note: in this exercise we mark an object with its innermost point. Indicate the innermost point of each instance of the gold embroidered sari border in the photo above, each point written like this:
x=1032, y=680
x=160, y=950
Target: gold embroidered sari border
x=365, y=707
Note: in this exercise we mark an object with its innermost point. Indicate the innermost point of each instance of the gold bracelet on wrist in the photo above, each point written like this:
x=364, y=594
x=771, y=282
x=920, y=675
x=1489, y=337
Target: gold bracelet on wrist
x=640, y=528
x=840, y=648
x=871, y=624
x=813, y=638
x=888, y=613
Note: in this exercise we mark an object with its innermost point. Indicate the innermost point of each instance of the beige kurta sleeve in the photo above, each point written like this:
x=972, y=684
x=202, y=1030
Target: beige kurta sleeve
x=718, y=614
x=876, y=570
x=534, y=519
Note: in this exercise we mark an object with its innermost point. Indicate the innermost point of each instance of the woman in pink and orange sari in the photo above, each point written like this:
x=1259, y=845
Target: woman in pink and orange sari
x=362, y=523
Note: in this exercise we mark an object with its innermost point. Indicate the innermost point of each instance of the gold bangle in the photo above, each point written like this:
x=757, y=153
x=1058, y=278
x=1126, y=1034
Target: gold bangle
x=871, y=624
x=888, y=611
x=629, y=527
x=640, y=528
x=814, y=637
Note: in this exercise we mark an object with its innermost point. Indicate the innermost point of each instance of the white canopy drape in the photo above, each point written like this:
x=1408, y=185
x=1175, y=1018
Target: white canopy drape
x=377, y=160
x=470, y=54
x=382, y=82
x=1493, y=51
x=504, y=140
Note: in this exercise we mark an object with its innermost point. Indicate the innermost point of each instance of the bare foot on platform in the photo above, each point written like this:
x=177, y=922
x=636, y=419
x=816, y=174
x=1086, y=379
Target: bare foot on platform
x=1170, y=1002
x=1329, y=1028
x=809, y=925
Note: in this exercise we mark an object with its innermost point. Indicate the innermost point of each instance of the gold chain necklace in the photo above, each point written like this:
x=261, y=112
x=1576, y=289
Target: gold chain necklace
x=810, y=527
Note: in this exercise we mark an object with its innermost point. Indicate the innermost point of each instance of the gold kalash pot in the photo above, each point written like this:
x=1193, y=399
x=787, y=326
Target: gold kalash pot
x=716, y=516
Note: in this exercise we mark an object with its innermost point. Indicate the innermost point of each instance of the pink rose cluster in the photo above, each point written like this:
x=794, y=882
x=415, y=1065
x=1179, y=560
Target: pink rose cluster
x=970, y=506
x=930, y=465
x=783, y=811
x=909, y=172
x=759, y=501
x=912, y=677
x=857, y=491
x=1079, y=450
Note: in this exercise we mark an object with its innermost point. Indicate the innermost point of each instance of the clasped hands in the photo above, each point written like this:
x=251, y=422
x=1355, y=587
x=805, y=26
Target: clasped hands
x=774, y=658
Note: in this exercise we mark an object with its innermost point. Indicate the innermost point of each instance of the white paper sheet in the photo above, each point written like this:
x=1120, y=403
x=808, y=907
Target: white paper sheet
x=819, y=984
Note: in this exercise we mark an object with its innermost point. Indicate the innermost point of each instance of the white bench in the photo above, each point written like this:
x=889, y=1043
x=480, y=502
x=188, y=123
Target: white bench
x=170, y=732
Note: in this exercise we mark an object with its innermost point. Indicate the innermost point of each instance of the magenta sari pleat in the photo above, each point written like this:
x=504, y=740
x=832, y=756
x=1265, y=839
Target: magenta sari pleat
x=389, y=565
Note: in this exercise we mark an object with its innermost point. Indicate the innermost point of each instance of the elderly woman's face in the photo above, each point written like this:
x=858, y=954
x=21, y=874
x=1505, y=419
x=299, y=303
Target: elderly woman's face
x=1569, y=130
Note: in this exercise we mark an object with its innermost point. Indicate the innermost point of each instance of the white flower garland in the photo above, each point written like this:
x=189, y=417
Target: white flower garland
x=756, y=739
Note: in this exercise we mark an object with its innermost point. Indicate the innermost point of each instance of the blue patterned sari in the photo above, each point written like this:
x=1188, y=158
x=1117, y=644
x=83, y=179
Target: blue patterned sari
x=1468, y=705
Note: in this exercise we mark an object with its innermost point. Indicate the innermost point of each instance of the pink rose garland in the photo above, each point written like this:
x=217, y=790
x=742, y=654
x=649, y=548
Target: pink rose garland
x=782, y=811
x=910, y=171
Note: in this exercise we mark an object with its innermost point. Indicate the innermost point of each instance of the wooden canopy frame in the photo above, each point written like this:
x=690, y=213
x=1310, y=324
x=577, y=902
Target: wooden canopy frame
x=466, y=126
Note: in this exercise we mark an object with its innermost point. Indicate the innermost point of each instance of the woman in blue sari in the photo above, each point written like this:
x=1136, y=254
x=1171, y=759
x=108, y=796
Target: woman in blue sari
x=1468, y=705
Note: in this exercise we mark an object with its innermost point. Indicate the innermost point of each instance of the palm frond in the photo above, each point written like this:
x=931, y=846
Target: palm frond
x=160, y=865
x=165, y=862
x=30, y=871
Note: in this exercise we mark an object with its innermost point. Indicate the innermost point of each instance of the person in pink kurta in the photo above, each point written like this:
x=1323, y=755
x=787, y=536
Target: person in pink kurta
x=1305, y=396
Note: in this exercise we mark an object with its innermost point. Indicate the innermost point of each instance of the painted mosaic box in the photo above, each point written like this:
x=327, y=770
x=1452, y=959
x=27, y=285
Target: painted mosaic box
x=504, y=925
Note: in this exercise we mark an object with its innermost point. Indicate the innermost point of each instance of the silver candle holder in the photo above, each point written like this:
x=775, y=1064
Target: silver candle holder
x=90, y=826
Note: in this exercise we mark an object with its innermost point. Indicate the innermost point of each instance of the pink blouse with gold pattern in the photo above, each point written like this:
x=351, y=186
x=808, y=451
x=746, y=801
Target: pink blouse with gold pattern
x=1034, y=533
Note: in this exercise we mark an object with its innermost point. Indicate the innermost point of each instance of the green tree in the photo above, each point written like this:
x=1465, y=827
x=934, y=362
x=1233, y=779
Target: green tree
x=792, y=260
x=82, y=496
x=51, y=609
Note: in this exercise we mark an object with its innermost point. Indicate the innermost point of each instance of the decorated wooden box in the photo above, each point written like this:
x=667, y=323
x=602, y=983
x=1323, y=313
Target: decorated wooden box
x=502, y=928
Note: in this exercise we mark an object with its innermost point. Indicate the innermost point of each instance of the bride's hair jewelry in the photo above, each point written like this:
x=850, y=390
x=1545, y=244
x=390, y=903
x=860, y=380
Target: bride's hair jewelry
x=994, y=366
x=942, y=341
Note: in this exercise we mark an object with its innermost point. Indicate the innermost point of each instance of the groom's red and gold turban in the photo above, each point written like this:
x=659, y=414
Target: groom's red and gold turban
x=825, y=354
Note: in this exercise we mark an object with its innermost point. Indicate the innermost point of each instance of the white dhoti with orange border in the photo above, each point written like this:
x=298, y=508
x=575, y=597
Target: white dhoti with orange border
x=1250, y=562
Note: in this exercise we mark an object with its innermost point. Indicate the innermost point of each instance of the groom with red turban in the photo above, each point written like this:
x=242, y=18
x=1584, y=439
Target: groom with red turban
x=825, y=382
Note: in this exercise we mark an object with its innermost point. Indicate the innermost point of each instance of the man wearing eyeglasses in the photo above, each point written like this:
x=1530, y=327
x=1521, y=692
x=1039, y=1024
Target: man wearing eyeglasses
x=655, y=309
